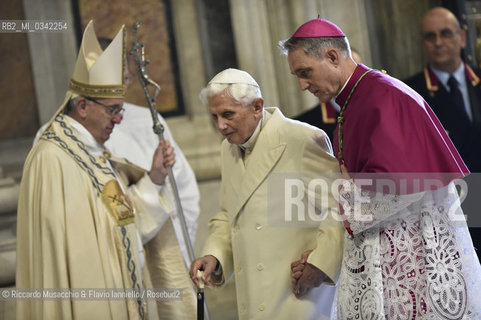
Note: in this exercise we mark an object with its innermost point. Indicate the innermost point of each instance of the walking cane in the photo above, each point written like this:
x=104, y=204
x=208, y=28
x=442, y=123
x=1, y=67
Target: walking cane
x=200, y=296
x=138, y=51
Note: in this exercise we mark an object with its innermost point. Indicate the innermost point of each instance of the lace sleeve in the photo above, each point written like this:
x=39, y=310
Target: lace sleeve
x=364, y=209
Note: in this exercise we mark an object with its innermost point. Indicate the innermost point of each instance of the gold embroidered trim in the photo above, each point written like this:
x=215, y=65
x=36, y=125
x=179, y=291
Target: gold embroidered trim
x=98, y=91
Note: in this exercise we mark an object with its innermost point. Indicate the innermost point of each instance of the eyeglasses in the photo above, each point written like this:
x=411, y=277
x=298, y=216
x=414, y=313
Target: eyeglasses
x=113, y=110
x=445, y=34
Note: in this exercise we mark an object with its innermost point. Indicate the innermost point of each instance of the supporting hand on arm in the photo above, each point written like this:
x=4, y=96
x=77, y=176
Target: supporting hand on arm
x=305, y=275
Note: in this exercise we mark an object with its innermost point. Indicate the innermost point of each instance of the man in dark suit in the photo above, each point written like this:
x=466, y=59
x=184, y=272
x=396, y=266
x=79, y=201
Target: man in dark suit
x=453, y=90
x=324, y=115
x=443, y=41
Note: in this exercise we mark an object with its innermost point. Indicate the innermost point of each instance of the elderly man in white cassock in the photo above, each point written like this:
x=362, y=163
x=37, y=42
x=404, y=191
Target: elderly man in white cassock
x=251, y=236
x=81, y=213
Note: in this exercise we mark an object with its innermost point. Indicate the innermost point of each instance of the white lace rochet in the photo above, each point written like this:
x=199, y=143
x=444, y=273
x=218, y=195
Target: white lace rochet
x=410, y=257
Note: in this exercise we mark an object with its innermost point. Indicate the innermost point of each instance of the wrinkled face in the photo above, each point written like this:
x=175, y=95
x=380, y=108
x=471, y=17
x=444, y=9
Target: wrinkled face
x=98, y=118
x=236, y=122
x=316, y=75
x=442, y=40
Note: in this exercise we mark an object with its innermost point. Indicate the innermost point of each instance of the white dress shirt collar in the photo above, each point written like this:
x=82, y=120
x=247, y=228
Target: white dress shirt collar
x=443, y=76
x=250, y=143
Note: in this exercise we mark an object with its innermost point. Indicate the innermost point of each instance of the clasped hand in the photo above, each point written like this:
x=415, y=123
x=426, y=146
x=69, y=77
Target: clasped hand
x=305, y=275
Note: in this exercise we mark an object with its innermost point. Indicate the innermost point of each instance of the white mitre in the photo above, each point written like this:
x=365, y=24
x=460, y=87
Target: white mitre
x=97, y=73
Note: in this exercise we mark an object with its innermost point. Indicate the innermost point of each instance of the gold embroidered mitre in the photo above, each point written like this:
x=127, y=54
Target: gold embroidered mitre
x=99, y=73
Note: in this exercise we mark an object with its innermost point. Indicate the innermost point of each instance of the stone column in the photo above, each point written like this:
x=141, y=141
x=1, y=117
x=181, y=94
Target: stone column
x=53, y=55
x=194, y=132
x=395, y=34
x=8, y=207
x=258, y=27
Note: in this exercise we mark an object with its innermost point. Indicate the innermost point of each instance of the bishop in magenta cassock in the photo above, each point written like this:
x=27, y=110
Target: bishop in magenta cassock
x=407, y=250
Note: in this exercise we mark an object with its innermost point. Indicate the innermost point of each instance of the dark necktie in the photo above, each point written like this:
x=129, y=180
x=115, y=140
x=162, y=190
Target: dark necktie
x=456, y=95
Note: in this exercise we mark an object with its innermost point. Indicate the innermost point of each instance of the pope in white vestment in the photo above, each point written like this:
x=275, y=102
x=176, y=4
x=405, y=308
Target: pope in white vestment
x=82, y=213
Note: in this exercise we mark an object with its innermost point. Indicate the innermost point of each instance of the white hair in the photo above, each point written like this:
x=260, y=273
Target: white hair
x=240, y=92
